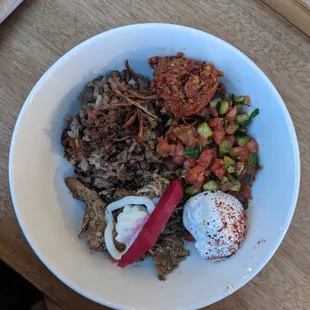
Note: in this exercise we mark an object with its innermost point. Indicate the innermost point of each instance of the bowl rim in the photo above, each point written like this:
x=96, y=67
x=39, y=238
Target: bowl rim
x=165, y=26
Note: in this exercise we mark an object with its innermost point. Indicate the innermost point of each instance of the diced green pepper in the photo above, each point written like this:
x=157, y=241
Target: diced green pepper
x=253, y=160
x=242, y=100
x=236, y=184
x=229, y=164
x=225, y=146
x=231, y=169
x=192, y=153
x=242, y=139
x=228, y=161
x=239, y=170
x=238, y=99
x=231, y=179
x=236, y=187
x=213, y=103
x=224, y=179
x=211, y=186
x=191, y=191
x=242, y=118
x=204, y=130
x=222, y=107
x=236, y=156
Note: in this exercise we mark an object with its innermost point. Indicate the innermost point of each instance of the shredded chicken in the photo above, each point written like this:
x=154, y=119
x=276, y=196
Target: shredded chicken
x=155, y=187
x=167, y=253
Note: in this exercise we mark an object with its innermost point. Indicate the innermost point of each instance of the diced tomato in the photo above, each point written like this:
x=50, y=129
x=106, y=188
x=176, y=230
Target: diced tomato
x=163, y=147
x=179, y=160
x=195, y=174
x=217, y=168
x=234, y=152
x=232, y=139
x=231, y=128
x=171, y=135
x=206, y=157
x=201, y=141
x=244, y=153
x=246, y=192
x=198, y=185
x=179, y=149
x=231, y=115
x=220, y=172
x=214, y=112
x=216, y=123
x=186, y=133
x=216, y=165
x=214, y=152
x=218, y=136
x=252, y=146
x=229, y=109
x=240, y=151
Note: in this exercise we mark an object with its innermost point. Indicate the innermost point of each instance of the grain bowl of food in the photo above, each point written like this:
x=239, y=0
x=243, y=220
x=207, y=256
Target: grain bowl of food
x=154, y=166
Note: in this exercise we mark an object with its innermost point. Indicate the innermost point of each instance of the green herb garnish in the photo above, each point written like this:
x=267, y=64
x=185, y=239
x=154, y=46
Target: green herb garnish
x=250, y=118
x=192, y=153
x=253, y=161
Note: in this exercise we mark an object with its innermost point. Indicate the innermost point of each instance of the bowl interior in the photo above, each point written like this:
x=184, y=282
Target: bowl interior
x=51, y=218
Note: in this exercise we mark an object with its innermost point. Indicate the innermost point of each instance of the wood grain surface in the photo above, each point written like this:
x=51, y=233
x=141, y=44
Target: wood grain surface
x=297, y=12
x=39, y=32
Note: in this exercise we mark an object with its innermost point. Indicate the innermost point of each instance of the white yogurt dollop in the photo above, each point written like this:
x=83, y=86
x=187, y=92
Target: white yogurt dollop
x=129, y=222
x=217, y=222
x=136, y=211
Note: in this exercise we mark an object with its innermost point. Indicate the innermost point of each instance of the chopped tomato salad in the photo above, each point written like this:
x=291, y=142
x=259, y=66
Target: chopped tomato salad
x=214, y=146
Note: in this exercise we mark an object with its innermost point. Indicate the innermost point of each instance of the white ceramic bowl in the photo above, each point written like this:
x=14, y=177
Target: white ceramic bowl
x=51, y=218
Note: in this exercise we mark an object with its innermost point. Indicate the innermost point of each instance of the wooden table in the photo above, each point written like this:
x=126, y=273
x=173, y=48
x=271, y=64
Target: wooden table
x=39, y=32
